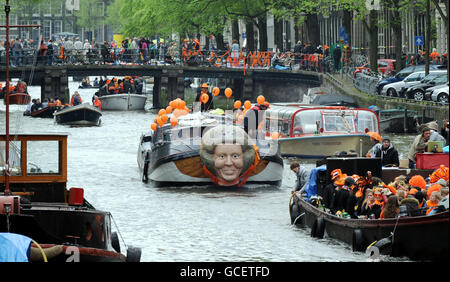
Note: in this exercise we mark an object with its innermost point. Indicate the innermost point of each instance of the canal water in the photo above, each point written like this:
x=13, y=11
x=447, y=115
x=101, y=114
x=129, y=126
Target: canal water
x=184, y=223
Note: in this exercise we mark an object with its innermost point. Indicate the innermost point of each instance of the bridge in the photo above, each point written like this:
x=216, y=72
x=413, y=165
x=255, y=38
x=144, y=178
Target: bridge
x=54, y=79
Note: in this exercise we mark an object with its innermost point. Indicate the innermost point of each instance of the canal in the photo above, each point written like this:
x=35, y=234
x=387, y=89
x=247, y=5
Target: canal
x=184, y=223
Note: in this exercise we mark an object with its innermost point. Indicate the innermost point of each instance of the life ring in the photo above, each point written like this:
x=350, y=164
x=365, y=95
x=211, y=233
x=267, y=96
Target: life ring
x=358, y=241
x=318, y=228
x=115, y=241
x=133, y=254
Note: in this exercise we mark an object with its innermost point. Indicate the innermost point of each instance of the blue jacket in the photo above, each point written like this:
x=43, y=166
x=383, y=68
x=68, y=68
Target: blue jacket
x=311, y=186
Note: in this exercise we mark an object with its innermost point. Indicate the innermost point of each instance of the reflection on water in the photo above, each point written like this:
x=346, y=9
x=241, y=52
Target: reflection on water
x=183, y=223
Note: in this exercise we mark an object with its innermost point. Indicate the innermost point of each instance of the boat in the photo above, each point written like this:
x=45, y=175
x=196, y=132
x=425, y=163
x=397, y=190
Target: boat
x=46, y=112
x=19, y=99
x=316, y=132
x=38, y=204
x=417, y=237
x=79, y=115
x=123, y=102
x=322, y=96
x=393, y=120
x=185, y=155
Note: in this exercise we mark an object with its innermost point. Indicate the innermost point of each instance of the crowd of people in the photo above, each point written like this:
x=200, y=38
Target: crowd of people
x=368, y=197
x=118, y=86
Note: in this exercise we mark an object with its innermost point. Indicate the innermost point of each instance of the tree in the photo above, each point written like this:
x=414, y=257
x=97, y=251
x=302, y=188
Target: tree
x=90, y=16
x=444, y=16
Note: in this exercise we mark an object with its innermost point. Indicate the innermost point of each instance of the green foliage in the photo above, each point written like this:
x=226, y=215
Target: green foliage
x=90, y=15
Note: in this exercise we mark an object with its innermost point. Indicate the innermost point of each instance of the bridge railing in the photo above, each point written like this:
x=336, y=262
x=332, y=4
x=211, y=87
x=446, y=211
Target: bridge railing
x=217, y=58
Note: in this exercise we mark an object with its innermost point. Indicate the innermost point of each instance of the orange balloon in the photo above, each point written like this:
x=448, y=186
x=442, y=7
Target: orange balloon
x=154, y=126
x=237, y=104
x=161, y=112
x=159, y=121
x=173, y=121
x=169, y=109
x=164, y=118
x=228, y=92
x=204, y=98
x=216, y=91
x=247, y=105
x=172, y=104
x=275, y=135
x=182, y=104
x=176, y=112
x=260, y=99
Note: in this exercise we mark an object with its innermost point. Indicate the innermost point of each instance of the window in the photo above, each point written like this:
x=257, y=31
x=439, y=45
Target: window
x=57, y=26
x=47, y=29
x=335, y=122
x=14, y=158
x=43, y=157
x=309, y=121
x=365, y=119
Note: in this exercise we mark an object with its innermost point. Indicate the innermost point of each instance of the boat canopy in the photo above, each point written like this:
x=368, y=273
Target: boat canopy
x=297, y=121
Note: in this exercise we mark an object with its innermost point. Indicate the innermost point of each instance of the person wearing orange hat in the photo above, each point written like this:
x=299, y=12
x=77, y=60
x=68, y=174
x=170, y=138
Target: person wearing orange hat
x=341, y=193
x=418, y=182
x=434, y=187
x=375, y=138
x=204, y=90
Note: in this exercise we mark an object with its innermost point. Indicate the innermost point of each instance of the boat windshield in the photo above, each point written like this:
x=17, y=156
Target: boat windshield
x=338, y=121
x=305, y=122
x=366, y=120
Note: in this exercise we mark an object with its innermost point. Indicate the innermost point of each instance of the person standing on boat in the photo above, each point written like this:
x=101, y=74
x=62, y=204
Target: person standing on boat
x=208, y=105
x=387, y=153
x=97, y=103
x=375, y=138
x=302, y=175
x=419, y=145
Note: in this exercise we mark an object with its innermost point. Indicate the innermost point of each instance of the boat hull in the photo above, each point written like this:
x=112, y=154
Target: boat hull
x=123, y=102
x=19, y=99
x=180, y=165
x=80, y=115
x=321, y=146
x=46, y=112
x=419, y=238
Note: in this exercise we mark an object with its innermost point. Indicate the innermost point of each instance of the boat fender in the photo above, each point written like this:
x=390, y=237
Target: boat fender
x=51, y=252
x=145, y=170
x=358, y=241
x=133, y=254
x=115, y=241
x=384, y=246
x=294, y=213
x=318, y=228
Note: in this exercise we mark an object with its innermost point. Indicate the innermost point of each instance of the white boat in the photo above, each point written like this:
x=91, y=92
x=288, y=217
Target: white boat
x=315, y=132
x=123, y=102
x=179, y=156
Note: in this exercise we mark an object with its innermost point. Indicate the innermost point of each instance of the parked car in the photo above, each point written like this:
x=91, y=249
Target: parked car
x=404, y=73
x=431, y=89
x=393, y=89
x=417, y=92
x=440, y=95
x=384, y=65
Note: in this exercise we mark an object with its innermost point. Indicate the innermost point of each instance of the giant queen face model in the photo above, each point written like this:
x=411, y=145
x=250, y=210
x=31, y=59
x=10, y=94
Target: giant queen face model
x=227, y=153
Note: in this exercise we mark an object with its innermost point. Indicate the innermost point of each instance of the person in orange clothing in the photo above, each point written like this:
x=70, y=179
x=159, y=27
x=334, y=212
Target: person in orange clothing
x=434, y=187
x=418, y=182
x=435, y=56
x=433, y=202
x=97, y=103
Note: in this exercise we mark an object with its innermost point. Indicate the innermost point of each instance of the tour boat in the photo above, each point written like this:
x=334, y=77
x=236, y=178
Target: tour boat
x=400, y=236
x=40, y=206
x=311, y=131
x=180, y=155
x=123, y=102
x=79, y=115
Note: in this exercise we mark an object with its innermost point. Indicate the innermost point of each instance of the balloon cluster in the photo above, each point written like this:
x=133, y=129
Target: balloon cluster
x=176, y=107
